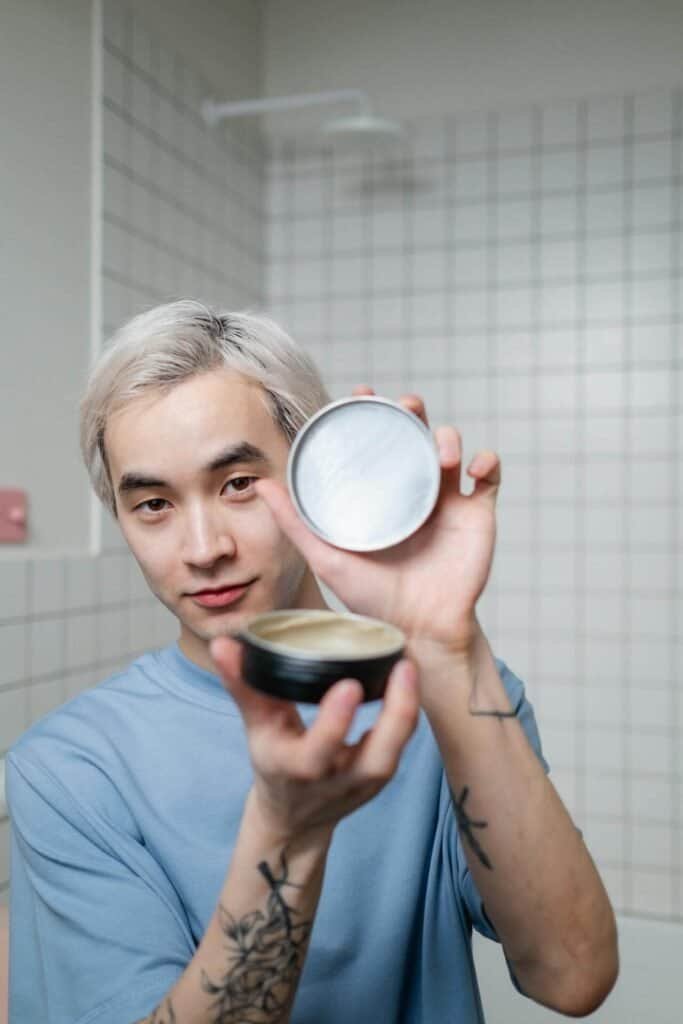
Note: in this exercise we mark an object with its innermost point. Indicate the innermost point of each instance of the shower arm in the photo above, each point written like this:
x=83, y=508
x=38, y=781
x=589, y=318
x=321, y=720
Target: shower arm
x=213, y=112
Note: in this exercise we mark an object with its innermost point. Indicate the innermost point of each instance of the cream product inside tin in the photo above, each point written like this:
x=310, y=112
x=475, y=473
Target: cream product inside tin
x=299, y=654
x=328, y=634
x=364, y=473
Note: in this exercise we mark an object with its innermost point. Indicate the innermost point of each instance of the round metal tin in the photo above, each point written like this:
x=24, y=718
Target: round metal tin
x=305, y=675
x=364, y=473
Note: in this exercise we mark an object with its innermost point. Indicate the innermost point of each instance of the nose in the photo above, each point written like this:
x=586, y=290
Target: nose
x=207, y=538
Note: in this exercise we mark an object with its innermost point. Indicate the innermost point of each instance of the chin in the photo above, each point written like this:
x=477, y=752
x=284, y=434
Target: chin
x=226, y=621
x=221, y=625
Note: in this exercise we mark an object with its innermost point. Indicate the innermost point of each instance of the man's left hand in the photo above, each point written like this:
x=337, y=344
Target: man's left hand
x=427, y=585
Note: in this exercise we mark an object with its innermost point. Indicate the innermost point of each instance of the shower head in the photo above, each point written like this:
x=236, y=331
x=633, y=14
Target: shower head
x=363, y=129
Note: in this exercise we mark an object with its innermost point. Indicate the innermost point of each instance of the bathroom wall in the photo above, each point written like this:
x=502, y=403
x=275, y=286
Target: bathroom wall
x=447, y=56
x=45, y=282
x=182, y=207
x=521, y=269
x=182, y=215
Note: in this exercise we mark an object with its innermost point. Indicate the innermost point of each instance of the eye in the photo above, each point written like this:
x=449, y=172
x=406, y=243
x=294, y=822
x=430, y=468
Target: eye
x=153, y=505
x=241, y=484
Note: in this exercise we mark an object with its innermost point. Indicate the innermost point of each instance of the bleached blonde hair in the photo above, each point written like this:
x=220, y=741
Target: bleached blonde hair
x=168, y=344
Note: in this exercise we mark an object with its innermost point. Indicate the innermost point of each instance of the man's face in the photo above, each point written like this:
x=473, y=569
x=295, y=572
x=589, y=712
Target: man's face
x=183, y=466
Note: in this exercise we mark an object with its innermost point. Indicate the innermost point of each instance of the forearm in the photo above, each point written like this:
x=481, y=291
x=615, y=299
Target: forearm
x=531, y=867
x=249, y=961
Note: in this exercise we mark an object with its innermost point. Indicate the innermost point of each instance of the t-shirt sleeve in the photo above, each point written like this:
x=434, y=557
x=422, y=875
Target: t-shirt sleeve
x=98, y=934
x=467, y=888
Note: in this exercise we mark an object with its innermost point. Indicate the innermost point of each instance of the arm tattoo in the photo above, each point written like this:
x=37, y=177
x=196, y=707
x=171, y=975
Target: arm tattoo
x=466, y=824
x=496, y=714
x=266, y=954
x=493, y=714
x=158, y=1015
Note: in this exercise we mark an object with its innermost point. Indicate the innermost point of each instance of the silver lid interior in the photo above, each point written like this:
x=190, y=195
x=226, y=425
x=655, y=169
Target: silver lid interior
x=364, y=473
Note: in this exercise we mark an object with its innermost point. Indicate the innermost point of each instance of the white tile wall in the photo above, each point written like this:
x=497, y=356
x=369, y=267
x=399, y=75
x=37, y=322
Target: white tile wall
x=527, y=275
x=183, y=216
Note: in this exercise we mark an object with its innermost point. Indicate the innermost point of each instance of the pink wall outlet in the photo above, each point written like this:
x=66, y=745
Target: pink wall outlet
x=13, y=516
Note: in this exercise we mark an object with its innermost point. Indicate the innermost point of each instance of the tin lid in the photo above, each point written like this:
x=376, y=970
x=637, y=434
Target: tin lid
x=364, y=473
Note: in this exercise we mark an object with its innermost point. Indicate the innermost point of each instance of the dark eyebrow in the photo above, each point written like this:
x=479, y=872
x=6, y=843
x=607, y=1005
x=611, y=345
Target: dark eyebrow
x=242, y=452
x=235, y=453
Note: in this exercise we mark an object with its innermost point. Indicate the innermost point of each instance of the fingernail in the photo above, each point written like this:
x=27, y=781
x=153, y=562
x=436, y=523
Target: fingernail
x=406, y=676
x=449, y=448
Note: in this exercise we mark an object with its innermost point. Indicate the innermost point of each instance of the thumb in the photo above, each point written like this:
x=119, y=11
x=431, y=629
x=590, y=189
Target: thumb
x=256, y=708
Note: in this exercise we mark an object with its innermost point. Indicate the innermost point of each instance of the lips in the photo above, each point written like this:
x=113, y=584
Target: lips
x=220, y=597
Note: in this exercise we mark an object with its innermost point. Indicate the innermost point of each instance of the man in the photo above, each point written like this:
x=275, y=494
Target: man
x=187, y=850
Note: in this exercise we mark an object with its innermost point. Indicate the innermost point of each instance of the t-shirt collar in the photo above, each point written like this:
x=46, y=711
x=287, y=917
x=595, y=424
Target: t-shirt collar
x=193, y=682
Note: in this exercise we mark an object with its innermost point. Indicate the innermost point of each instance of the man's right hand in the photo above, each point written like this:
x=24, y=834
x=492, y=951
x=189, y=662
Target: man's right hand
x=306, y=780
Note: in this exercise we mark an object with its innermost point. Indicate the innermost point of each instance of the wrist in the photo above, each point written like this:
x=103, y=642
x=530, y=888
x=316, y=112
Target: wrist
x=459, y=650
x=271, y=830
x=460, y=677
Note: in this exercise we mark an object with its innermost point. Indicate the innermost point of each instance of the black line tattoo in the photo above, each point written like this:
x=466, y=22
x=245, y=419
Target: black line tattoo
x=492, y=714
x=266, y=952
x=158, y=1017
x=466, y=824
x=495, y=714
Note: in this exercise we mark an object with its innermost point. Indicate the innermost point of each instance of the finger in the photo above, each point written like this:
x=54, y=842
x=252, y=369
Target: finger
x=382, y=747
x=486, y=472
x=449, y=443
x=325, y=737
x=414, y=404
x=363, y=389
x=257, y=709
x=317, y=553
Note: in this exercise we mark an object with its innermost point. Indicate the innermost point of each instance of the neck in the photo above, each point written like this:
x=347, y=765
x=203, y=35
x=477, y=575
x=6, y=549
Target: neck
x=309, y=594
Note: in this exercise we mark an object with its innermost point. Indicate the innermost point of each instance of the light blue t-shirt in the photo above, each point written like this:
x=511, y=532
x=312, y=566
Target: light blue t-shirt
x=125, y=806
